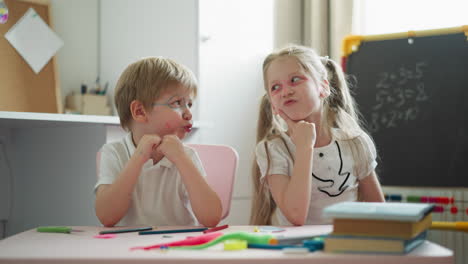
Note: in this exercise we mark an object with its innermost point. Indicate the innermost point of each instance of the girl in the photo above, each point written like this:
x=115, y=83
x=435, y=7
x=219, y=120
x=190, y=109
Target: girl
x=324, y=157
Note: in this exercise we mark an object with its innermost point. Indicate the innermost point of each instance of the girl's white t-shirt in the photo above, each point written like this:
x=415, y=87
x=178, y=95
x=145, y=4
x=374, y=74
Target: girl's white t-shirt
x=334, y=171
x=159, y=197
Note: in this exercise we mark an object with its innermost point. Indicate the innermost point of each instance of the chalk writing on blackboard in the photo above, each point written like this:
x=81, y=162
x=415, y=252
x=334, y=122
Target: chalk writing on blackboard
x=398, y=98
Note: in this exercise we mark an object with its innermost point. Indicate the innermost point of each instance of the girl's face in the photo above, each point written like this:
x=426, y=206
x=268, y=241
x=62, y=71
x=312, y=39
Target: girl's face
x=294, y=91
x=170, y=113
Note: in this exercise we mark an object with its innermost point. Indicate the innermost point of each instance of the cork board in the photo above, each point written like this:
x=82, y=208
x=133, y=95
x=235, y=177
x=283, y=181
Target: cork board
x=21, y=89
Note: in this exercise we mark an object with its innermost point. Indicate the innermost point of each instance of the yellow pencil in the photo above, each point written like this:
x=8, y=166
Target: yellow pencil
x=455, y=226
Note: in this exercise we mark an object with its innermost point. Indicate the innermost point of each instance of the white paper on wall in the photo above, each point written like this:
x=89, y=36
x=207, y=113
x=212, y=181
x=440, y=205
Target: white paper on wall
x=34, y=40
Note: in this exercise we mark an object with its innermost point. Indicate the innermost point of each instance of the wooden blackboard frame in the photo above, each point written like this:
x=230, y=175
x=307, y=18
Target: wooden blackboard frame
x=422, y=141
x=21, y=89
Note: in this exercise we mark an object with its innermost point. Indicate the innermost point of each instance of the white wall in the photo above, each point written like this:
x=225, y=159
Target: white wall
x=76, y=23
x=230, y=89
x=240, y=34
x=131, y=30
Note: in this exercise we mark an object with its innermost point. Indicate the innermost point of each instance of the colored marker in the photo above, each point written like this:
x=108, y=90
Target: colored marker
x=154, y=232
x=116, y=231
x=455, y=226
x=215, y=229
x=56, y=229
x=249, y=237
x=296, y=239
x=191, y=241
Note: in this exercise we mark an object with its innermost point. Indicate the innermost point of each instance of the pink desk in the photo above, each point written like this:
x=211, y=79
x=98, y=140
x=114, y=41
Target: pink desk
x=80, y=247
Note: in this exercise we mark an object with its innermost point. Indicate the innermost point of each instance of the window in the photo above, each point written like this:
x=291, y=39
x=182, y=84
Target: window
x=389, y=16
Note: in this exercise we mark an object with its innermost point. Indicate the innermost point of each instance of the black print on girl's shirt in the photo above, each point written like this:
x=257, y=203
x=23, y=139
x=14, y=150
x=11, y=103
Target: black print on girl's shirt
x=336, y=188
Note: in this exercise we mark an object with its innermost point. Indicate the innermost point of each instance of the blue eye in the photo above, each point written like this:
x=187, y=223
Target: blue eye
x=275, y=87
x=295, y=79
x=176, y=104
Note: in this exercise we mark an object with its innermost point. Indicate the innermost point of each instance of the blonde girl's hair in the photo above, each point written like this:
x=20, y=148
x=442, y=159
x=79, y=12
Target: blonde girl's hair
x=144, y=81
x=338, y=111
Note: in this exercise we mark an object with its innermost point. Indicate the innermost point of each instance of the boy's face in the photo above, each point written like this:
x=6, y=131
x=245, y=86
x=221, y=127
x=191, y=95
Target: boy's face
x=170, y=113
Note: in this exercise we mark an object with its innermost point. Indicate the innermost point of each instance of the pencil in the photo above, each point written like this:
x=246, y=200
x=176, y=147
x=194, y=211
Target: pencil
x=153, y=232
x=116, y=231
x=455, y=226
x=215, y=229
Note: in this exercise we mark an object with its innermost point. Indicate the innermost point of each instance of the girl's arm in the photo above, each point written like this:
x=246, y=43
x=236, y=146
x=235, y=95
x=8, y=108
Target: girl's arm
x=292, y=194
x=370, y=190
x=113, y=200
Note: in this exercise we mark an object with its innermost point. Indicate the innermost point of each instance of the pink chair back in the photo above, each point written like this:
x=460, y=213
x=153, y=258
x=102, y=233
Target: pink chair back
x=220, y=163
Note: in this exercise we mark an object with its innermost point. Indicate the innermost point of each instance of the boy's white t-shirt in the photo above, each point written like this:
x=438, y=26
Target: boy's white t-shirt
x=159, y=197
x=333, y=176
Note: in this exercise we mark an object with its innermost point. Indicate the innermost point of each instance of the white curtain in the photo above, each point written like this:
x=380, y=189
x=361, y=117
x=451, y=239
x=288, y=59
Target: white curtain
x=320, y=24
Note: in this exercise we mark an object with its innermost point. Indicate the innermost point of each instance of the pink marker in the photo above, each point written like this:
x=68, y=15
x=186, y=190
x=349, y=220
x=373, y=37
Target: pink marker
x=105, y=236
x=191, y=241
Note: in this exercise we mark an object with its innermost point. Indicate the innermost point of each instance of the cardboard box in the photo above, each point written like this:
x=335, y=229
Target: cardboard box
x=88, y=104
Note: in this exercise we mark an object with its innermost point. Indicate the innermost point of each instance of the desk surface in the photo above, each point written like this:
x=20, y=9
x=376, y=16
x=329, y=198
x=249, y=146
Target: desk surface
x=81, y=247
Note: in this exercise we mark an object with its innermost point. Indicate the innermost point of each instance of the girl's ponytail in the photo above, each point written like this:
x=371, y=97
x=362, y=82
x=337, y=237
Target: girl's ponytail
x=340, y=107
x=263, y=204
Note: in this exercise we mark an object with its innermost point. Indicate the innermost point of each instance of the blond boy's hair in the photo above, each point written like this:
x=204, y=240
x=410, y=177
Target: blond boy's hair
x=144, y=81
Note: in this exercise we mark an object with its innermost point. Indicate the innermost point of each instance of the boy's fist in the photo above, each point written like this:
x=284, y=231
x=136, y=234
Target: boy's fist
x=147, y=146
x=171, y=147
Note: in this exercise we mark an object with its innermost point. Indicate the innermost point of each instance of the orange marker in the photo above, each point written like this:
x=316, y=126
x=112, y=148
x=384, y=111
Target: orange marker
x=455, y=226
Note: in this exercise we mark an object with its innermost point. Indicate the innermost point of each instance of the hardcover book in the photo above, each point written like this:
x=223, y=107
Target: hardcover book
x=375, y=245
x=381, y=228
x=412, y=212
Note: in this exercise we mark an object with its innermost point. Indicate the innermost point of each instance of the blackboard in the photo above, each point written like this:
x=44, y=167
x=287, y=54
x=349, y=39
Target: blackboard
x=413, y=95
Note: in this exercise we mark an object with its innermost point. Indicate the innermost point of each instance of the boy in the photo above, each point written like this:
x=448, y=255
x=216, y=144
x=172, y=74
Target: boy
x=150, y=177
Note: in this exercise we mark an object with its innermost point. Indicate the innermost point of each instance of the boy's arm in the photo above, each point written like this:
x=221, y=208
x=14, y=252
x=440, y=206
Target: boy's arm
x=205, y=203
x=113, y=200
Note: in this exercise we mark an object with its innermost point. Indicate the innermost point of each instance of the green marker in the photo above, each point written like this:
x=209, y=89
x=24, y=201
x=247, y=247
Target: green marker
x=55, y=229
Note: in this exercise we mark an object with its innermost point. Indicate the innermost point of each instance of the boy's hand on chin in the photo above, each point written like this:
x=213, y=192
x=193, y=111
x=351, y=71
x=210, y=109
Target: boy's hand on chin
x=171, y=147
x=147, y=146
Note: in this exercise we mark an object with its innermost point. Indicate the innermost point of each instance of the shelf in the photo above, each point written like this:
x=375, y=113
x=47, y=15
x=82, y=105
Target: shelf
x=22, y=119
x=28, y=119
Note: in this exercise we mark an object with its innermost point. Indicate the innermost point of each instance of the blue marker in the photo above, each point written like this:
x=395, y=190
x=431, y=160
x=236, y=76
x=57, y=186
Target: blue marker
x=153, y=232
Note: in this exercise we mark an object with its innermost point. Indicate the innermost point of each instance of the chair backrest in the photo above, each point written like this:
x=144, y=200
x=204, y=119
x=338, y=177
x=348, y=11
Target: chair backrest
x=220, y=163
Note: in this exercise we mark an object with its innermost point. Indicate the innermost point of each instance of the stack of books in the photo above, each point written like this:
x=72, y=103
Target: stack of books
x=388, y=228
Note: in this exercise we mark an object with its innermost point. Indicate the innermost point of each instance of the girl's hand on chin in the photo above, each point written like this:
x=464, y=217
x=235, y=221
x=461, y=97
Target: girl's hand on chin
x=302, y=133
